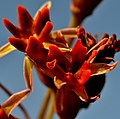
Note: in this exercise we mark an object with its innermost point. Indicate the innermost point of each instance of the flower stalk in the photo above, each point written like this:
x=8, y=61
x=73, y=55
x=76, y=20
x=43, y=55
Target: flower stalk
x=51, y=108
x=44, y=105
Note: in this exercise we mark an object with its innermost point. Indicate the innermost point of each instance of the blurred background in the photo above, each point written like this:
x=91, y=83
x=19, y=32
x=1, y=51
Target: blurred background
x=105, y=18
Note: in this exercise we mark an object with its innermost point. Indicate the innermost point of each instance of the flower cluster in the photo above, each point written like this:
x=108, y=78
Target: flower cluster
x=76, y=75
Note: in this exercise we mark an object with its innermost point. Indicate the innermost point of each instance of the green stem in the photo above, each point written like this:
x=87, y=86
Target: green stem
x=44, y=104
x=74, y=22
x=50, y=111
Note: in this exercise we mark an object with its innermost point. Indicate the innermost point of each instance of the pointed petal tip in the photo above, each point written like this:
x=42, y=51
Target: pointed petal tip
x=47, y=4
x=11, y=27
x=81, y=92
x=27, y=91
x=20, y=7
x=24, y=18
x=18, y=43
x=44, y=9
x=101, y=68
x=46, y=30
x=113, y=65
x=49, y=26
x=6, y=22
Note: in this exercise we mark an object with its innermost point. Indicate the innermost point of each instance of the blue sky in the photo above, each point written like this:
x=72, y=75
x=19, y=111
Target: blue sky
x=106, y=18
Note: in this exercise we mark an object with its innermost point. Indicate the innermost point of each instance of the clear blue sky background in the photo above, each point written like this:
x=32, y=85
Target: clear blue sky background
x=106, y=18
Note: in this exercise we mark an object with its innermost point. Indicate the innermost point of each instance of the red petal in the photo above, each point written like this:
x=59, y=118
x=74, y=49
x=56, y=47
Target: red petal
x=40, y=20
x=12, y=28
x=78, y=54
x=44, y=35
x=83, y=74
x=55, y=53
x=24, y=18
x=35, y=50
x=56, y=71
x=19, y=43
x=81, y=92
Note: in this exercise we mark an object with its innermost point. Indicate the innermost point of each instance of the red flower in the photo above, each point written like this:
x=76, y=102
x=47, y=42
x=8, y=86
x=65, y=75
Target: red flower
x=28, y=27
x=70, y=72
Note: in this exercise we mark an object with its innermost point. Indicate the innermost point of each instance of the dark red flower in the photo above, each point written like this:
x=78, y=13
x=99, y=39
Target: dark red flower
x=73, y=73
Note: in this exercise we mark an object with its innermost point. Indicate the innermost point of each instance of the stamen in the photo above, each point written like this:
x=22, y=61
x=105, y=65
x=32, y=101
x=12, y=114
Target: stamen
x=67, y=32
x=47, y=4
